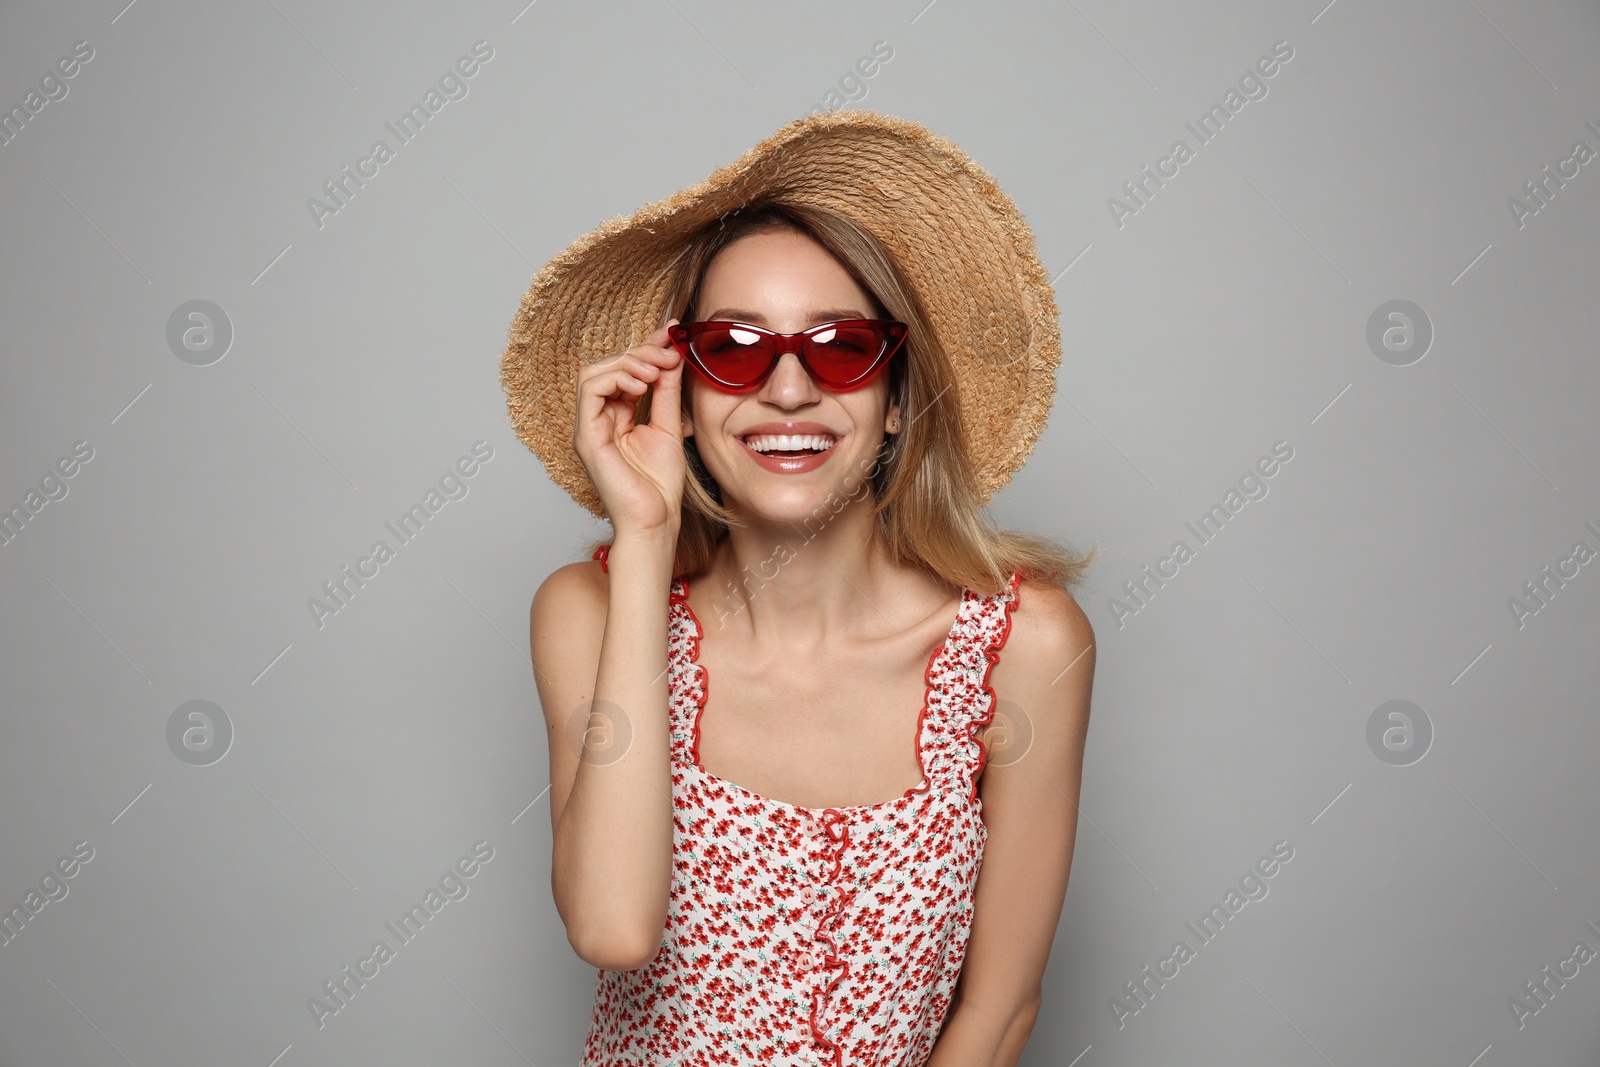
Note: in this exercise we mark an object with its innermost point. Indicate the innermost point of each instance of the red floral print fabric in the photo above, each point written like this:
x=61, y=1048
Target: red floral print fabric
x=800, y=936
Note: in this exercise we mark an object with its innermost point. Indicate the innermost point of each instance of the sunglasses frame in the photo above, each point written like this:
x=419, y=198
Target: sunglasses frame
x=683, y=334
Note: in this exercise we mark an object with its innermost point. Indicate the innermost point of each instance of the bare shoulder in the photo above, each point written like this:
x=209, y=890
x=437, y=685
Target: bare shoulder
x=1049, y=654
x=571, y=587
x=566, y=623
x=1047, y=623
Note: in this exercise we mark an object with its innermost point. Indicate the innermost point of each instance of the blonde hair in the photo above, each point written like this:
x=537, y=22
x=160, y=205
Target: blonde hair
x=926, y=500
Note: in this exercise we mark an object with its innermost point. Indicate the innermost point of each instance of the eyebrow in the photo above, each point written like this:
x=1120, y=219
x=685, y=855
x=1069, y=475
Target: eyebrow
x=755, y=318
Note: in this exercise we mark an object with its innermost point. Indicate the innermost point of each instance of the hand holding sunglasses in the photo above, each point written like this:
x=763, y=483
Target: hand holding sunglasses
x=736, y=357
x=638, y=469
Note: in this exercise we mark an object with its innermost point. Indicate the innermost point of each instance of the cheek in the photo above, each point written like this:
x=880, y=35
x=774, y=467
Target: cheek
x=873, y=409
x=701, y=404
x=707, y=412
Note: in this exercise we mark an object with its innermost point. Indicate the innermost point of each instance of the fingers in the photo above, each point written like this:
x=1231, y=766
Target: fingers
x=665, y=406
x=654, y=351
x=654, y=361
x=627, y=376
x=600, y=386
x=634, y=373
x=661, y=336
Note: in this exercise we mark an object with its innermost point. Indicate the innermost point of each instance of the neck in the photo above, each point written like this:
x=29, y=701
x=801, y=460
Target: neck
x=793, y=583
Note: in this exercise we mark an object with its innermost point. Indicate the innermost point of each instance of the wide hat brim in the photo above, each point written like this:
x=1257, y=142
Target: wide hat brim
x=957, y=238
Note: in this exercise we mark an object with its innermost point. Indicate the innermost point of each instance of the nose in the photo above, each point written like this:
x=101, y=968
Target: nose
x=789, y=386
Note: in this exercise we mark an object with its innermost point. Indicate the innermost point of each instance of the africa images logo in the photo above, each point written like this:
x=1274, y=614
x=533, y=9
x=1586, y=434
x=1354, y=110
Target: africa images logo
x=341, y=189
x=339, y=991
x=341, y=589
x=1253, y=885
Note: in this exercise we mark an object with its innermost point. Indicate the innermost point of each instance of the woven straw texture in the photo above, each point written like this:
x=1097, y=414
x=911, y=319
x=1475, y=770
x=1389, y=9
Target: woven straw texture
x=956, y=236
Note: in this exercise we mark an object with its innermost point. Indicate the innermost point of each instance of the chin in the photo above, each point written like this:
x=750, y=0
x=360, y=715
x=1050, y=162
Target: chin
x=817, y=503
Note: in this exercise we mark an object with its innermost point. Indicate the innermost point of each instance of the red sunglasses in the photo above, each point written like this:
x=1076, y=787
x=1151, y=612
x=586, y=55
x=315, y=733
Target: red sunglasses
x=736, y=357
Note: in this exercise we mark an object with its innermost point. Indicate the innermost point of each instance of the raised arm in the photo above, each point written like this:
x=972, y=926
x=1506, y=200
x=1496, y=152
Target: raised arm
x=599, y=645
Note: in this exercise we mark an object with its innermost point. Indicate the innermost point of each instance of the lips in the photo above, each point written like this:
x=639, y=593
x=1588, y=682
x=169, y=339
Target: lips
x=789, y=444
x=794, y=460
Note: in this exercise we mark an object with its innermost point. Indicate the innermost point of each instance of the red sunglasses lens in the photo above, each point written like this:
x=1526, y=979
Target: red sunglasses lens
x=737, y=356
x=844, y=353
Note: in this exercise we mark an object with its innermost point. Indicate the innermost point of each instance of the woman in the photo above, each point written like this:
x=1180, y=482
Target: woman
x=815, y=859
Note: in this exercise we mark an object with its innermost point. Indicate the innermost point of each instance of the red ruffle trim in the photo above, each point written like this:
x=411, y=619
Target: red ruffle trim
x=836, y=825
x=991, y=655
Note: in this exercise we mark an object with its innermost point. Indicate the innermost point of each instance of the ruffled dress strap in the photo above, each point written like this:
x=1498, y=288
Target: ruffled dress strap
x=960, y=700
x=686, y=679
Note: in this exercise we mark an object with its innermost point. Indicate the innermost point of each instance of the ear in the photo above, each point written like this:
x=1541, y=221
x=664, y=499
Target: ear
x=891, y=418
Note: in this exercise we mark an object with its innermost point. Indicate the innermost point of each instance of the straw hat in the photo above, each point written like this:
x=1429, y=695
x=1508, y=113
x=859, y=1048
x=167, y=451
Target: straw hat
x=958, y=239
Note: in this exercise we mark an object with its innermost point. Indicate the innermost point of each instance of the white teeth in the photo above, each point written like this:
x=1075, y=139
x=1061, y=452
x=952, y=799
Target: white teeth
x=788, y=442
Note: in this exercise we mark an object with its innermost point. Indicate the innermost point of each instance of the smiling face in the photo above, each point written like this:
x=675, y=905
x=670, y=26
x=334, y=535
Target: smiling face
x=786, y=282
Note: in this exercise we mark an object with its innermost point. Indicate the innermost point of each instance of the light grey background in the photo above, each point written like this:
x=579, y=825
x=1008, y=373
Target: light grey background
x=1229, y=313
